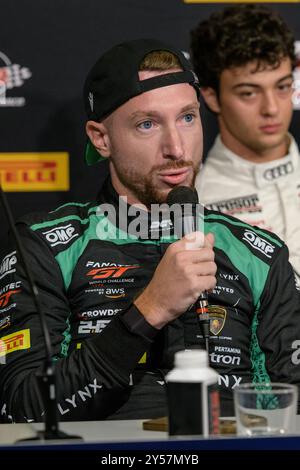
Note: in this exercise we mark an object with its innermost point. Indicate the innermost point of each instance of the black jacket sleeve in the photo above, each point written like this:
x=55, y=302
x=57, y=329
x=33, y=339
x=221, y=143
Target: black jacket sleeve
x=277, y=325
x=92, y=382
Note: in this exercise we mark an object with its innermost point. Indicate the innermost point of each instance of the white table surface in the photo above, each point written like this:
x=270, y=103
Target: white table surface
x=94, y=431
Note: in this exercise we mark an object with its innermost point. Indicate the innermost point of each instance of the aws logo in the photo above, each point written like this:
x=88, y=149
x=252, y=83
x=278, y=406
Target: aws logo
x=114, y=293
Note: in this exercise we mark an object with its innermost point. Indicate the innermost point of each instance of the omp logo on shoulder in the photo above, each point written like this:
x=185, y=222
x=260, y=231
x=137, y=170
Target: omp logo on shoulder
x=7, y=265
x=14, y=342
x=60, y=235
x=259, y=243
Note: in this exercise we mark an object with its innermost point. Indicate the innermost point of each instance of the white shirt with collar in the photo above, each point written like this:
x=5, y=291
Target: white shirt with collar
x=262, y=194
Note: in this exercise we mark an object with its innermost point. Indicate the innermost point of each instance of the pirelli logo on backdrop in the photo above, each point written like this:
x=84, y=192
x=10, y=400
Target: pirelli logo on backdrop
x=46, y=171
x=14, y=342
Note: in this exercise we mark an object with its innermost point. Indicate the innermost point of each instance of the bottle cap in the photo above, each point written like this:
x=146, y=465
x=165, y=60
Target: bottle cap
x=191, y=358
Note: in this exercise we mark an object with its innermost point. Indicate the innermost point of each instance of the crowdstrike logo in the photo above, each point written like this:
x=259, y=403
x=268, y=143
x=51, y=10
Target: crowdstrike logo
x=11, y=76
x=107, y=312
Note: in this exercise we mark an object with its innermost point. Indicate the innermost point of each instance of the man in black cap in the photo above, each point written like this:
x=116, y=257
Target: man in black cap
x=118, y=289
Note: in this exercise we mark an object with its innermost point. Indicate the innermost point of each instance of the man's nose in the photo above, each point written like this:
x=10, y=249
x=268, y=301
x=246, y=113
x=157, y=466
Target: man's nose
x=172, y=143
x=269, y=104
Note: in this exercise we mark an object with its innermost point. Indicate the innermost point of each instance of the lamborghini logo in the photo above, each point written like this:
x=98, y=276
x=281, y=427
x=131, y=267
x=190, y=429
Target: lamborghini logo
x=217, y=316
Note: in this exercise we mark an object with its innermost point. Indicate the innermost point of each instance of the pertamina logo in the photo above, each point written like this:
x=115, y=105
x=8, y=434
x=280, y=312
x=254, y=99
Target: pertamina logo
x=60, y=235
x=111, y=271
x=258, y=243
x=14, y=342
x=47, y=171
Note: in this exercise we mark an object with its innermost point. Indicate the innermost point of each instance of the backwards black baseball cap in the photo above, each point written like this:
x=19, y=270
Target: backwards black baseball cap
x=114, y=79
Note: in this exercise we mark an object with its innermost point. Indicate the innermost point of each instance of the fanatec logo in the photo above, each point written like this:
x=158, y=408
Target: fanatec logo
x=60, y=235
x=259, y=243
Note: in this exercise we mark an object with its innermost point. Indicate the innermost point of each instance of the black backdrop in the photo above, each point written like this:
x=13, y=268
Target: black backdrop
x=58, y=41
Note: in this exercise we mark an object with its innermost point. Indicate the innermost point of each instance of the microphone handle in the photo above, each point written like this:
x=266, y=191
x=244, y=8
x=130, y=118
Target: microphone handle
x=203, y=317
x=46, y=378
x=31, y=283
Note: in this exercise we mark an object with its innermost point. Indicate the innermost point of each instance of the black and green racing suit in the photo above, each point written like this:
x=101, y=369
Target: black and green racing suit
x=108, y=364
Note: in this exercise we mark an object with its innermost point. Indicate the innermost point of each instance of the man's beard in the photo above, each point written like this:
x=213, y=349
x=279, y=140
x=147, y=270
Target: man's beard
x=143, y=187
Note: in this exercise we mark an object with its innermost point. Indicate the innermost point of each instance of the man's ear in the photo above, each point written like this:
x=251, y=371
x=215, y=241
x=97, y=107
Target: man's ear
x=211, y=99
x=98, y=135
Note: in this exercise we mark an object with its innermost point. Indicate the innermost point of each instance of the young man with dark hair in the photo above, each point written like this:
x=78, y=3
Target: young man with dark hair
x=120, y=303
x=244, y=56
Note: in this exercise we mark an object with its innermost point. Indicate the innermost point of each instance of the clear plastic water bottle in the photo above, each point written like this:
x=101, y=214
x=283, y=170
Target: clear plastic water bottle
x=193, y=396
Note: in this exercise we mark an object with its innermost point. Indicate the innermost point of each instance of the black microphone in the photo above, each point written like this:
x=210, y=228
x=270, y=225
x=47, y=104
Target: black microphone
x=187, y=221
x=46, y=379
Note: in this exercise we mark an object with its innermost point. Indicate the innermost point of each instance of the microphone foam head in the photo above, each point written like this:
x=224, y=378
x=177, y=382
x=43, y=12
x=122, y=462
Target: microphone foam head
x=182, y=195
